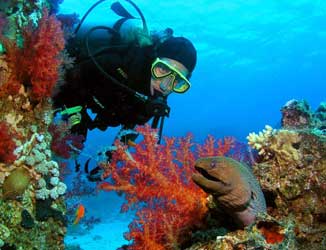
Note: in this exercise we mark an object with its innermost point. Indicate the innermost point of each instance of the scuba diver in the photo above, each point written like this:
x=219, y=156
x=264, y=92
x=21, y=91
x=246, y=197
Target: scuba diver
x=125, y=83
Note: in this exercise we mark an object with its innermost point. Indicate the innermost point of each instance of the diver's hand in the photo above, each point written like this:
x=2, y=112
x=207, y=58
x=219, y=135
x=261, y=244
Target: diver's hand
x=99, y=173
x=157, y=107
x=96, y=174
x=74, y=119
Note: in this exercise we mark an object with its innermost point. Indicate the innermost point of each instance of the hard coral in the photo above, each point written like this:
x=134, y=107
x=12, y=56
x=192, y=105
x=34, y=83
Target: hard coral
x=157, y=182
x=266, y=233
x=280, y=144
x=320, y=117
x=261, y=141
x=16, y=183
x=294, y=176
x=296, y=114
x=284, y=146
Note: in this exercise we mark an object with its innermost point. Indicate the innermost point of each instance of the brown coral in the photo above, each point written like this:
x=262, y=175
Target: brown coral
x=4, y=70
x=284, y=146
x=295, y=179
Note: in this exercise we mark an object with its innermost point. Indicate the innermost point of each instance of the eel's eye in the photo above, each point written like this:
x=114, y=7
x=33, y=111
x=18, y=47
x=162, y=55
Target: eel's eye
x=213, y=164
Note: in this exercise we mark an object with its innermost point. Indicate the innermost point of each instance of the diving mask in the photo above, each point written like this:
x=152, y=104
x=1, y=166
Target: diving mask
x=162, y=69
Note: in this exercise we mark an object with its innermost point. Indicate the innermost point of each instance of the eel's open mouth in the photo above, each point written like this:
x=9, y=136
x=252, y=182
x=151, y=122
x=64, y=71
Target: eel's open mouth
x=204, y=173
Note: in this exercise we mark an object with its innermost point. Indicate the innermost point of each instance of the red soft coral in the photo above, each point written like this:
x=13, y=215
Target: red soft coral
x=7, y=145
x=63, y=143
x=156, y=180
x=42, y=48
x=36, y=64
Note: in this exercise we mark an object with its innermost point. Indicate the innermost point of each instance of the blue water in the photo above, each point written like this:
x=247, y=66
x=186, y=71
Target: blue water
x=253, y=56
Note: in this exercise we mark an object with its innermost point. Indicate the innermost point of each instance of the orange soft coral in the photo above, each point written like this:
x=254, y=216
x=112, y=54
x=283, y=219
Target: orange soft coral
x=211, y=149
x=156, y=180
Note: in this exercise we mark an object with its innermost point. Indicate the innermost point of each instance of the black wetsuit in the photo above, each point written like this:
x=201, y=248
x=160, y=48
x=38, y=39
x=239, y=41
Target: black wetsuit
x=88, y=87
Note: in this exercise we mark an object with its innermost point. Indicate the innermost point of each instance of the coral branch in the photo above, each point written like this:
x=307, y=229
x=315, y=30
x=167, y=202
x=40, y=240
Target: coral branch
x=44, y=46
x=36, y=65
x=215, y=148
x=156, y=180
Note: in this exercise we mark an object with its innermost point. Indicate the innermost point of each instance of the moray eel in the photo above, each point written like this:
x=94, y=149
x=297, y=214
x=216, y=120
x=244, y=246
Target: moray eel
x=233, y=186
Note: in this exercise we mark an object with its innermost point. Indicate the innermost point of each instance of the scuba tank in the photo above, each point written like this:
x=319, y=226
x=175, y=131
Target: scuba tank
x=121, y=33
x=89, y=39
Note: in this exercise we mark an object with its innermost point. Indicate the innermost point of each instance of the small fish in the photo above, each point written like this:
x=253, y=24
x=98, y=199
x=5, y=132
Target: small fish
x=80, y=213
x=131, y=143
x=77, y=166
x=86, y=167
x=232, y=185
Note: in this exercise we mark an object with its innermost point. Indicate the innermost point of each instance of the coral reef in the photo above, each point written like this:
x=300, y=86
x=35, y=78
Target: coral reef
x=291, y=169
x=18, y=14
x=320, y=117
x=266, y=233
x=293, y=172
x=156, y=180
x=297, y=114
x=31, y=192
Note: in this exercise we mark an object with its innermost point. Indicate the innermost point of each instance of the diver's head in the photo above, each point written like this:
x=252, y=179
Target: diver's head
x=176, y=59
x=179, y=49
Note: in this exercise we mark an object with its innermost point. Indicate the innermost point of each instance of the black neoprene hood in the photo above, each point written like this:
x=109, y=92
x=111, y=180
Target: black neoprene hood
x=179, y=49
